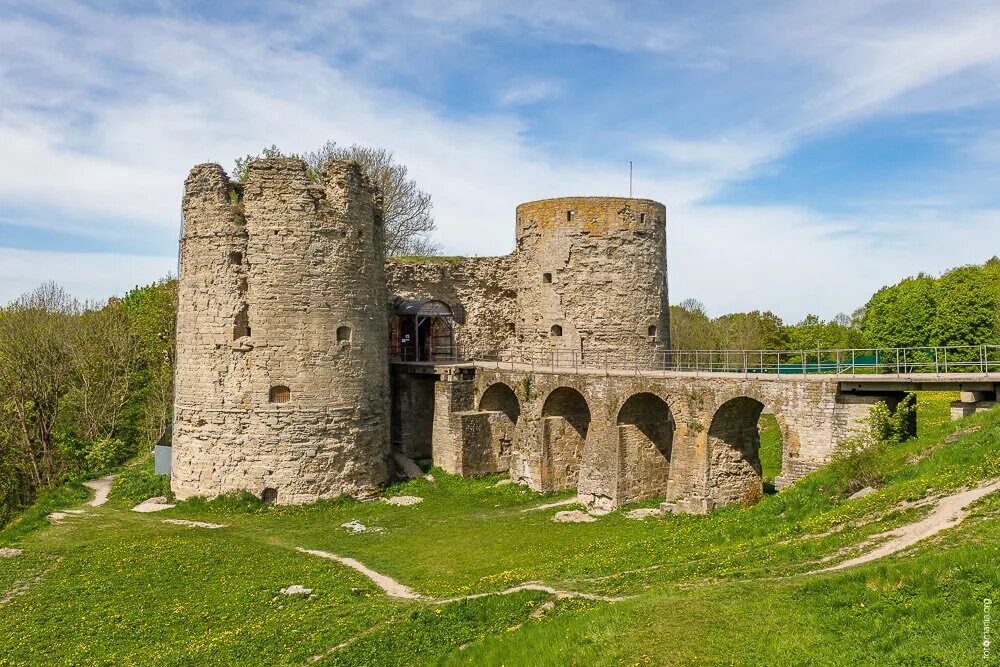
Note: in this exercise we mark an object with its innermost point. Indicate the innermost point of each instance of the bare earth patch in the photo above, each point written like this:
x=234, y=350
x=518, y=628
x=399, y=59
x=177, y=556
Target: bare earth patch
x=10, y=553
x=194, y=524
x=948, y=511
x=101, y=488
x=644, y=513
x=575, y=500
x=573, y=516
x=157, y=504
x=391, y=587
x=404, y=501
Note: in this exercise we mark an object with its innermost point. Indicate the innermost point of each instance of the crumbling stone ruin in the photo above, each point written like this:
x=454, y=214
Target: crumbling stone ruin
x=307, y=359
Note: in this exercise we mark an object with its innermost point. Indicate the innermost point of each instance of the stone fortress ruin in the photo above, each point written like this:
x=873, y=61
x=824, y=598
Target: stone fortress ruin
x=308, y=362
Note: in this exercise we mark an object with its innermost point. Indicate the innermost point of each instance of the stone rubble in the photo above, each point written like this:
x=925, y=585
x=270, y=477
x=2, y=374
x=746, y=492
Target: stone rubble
x=404, y=501
x=356, y=526
x=408, y=466
x=156, y=504
x=195, y=524
x=573, y=516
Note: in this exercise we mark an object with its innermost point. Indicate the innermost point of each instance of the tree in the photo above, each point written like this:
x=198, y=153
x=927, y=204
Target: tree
x=966, y=308
x=406, y=209
x=34, y=356
x=690, y=328
x=151, y=312
x=901, y=315
x=755, y=330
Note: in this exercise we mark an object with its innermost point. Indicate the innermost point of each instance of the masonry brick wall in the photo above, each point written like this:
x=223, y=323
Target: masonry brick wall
x=483, y=287
x=596, y=268
x=269, y=273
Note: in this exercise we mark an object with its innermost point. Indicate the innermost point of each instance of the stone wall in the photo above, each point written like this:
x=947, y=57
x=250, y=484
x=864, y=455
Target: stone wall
x=482, y=287
x=692, y=440
x=592, y=277
x=282, y=375
x=412, y=413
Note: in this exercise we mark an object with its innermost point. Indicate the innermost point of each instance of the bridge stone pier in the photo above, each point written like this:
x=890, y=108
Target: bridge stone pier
x=621, y=437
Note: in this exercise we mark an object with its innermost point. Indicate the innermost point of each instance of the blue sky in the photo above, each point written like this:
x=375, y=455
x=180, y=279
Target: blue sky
x=808, y=153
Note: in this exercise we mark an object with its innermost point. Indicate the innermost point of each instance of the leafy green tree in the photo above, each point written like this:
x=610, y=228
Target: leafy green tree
x=966, y=308
x=152, y=314
x=755, y=330
x=690, y=327
x=901, y=315
x=406, y=209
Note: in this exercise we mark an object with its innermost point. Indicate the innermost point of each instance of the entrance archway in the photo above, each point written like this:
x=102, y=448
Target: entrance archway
x=565, y=422
x=645, y=441
x=423, y=331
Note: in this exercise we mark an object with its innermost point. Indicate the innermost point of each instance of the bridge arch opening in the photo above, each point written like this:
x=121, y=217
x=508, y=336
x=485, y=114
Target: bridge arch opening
x=735, y=473
x=772, y=449
x=501, y=398
x=645, y=440
x=565, y=422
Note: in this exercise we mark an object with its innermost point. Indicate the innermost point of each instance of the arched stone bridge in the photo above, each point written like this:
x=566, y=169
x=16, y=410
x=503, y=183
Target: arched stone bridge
x=620, y=437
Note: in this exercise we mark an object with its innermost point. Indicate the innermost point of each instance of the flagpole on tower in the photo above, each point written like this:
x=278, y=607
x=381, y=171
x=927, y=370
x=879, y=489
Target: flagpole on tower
x=630, y=179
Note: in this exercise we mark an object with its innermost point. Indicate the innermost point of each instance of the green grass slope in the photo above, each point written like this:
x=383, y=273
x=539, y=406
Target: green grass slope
x=735, y=587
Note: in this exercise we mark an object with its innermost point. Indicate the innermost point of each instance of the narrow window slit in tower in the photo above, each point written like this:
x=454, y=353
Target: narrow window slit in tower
x=642, y=218
x=241, y=324
x=569, y=215
x=344, y=334
x=279, y=394
x=556, y=330
x=652, y=330
x=235, y=258
x=546, y=278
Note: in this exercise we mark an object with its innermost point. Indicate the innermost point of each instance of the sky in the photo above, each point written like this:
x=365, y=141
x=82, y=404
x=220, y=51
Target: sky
x=808, y=153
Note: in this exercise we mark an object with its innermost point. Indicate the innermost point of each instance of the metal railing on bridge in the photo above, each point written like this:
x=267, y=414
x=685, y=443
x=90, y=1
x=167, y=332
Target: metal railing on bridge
x=967, y=359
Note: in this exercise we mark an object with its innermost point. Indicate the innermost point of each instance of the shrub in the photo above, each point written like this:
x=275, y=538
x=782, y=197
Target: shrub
x=106, y=454
x=859, y=458
x=753, y=495
x=138, y=483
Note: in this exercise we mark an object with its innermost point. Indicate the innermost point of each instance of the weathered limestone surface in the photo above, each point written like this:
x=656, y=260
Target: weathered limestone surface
x=593, y=266
x=596, y=267
x=282, y=376
x=622, y=438
x=482, y=287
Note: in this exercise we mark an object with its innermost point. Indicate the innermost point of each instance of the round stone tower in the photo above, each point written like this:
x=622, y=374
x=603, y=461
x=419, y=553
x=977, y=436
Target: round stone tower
x=282, y=382
x=592, y=277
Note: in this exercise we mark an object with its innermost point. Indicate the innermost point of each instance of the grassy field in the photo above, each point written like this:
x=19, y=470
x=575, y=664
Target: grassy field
x=735, y=587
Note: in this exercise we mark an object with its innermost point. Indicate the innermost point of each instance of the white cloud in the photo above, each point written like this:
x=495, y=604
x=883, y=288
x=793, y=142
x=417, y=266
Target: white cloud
x=87, y=276
x=529, y=92
x=105, y=118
